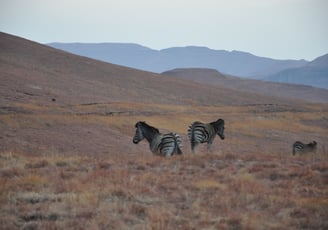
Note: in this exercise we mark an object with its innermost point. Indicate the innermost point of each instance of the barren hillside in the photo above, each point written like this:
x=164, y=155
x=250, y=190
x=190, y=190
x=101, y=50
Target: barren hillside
x=30, y=71
x=67, y=160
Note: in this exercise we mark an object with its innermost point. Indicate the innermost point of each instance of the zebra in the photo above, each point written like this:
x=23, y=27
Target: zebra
x=304, y=148
x=199, y=132
x=159, y=144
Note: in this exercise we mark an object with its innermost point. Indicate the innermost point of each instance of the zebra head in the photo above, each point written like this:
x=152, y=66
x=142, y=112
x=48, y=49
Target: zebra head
x=139, y=134
x=144, y=131
x=313, y=145
x=219, y=128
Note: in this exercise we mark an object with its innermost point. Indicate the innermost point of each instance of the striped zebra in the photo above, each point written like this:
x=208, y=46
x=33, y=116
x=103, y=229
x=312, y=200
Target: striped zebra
x=299, y=147
x=159, y=144
x=199, y=132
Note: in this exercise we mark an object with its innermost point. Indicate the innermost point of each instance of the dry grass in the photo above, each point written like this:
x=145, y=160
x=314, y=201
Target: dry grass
x=140, y=191
x=249, y=181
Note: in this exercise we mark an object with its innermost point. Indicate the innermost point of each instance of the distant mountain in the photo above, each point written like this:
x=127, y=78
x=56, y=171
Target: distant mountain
x=314, y=73
x=214, y=78
x=132, y=55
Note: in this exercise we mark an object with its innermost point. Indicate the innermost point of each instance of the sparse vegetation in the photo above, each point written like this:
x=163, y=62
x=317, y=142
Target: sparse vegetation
x=250, y=180
x=71, y=163
x=144, y=192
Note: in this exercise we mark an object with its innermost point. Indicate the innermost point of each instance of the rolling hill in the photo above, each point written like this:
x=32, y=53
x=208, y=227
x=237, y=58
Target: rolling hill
x=213, y=77
x=133, y=55
x=35, y=72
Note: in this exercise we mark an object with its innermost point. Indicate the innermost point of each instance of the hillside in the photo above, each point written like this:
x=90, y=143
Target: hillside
x=37, y=80
x=35, y=72
x=314, y=73
x=67, y=160
x=132, y=55
x=213, y=77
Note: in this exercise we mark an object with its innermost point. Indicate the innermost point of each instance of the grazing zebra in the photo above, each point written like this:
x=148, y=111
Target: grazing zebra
x=160, y=144
x=199, y=132
x=299, y=147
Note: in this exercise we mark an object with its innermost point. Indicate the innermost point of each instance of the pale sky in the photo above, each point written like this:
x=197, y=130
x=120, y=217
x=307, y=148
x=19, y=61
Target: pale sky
x=281, y=29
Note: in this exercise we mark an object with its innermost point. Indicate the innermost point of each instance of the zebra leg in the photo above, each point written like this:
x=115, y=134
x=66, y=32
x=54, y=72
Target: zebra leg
x=209, y=147
x=193, y=145
x=178, y=150
x=168, y=154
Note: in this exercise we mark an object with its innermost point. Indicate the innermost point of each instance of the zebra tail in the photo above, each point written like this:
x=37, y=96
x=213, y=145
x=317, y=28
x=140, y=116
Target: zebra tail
x=192, y=137
x=177, y=144
x=179, y=152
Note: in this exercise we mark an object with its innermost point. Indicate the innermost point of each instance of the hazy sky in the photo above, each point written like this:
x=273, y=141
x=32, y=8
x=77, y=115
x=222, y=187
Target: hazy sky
x=283, y=29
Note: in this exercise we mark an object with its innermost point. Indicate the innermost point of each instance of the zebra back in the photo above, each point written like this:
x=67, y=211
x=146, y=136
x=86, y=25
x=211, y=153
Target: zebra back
x=162, y=144
x=167, y=144
x=199, y=132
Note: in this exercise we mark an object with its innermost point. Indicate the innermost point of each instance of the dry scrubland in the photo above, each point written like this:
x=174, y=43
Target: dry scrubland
x=67, y=160
x=103, y=181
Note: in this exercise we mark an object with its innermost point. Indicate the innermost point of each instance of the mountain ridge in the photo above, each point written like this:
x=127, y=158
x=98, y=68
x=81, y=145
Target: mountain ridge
x=314, y=73
x=234, y=62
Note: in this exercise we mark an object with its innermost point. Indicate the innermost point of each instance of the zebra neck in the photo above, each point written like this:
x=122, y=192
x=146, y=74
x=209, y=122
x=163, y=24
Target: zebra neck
x=150, y=136
x=216, y=125
x=155, y=142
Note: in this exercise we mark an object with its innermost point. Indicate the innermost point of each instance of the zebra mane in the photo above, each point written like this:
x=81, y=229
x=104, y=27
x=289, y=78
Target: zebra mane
x=313, y=143
x=148, y=127
x=217, y=124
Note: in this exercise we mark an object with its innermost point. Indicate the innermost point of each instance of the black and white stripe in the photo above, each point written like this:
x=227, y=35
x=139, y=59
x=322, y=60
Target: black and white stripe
x=199, y=132
x=299, y=147
x=159, y=144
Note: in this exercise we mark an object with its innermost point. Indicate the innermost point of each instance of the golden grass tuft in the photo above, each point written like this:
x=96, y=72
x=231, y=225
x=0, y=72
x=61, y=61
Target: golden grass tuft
x=209, y=184
x=34, y=180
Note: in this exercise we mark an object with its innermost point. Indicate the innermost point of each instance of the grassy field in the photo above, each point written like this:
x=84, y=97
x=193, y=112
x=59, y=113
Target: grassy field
x=75, y=167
